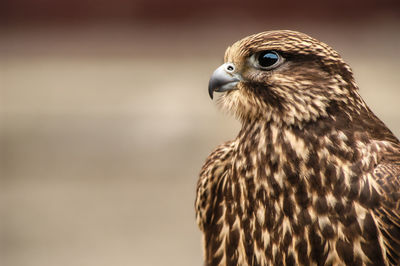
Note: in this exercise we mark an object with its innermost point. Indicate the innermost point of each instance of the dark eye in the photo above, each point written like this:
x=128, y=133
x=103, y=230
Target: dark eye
x=268, y=59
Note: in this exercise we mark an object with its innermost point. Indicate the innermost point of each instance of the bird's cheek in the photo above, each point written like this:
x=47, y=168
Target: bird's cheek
x=253, y=76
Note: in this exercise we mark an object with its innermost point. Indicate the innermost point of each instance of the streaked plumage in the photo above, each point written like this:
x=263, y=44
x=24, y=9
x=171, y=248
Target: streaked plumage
x=313, y=177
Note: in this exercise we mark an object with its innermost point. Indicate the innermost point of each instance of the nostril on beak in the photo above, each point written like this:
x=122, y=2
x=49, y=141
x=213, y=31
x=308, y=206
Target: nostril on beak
x=230, y=68
x=223, y=79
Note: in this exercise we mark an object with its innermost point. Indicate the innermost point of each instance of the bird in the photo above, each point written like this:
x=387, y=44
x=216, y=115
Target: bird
x=313, y=176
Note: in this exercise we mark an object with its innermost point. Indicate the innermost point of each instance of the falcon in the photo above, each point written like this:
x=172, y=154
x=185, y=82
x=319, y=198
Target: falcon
x=313, y=177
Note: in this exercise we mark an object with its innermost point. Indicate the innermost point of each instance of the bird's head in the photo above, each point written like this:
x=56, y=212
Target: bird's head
x=284, y=76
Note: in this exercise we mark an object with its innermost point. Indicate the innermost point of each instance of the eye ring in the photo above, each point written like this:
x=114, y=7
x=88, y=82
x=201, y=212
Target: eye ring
x=267, y=60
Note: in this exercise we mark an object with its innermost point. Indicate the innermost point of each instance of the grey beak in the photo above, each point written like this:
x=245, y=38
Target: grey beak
x=223, y=79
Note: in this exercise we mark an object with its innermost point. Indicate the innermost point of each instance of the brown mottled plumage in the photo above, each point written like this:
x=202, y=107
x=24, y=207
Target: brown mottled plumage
x=313, y=178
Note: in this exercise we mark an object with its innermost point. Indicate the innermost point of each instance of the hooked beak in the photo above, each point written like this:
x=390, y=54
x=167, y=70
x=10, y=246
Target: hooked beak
x=223, y=79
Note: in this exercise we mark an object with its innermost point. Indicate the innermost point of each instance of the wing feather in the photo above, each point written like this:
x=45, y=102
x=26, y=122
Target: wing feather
x=387, y=175
x=213, y=169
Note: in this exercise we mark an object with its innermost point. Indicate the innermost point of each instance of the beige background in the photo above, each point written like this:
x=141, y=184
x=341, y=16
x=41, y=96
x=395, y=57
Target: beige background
x=104, y=128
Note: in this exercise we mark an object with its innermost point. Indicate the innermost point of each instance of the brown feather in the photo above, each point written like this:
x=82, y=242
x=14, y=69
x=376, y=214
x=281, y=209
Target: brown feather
x=313, y=177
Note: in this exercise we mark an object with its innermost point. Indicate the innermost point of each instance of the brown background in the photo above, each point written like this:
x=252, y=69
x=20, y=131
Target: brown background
x=105, y=118
x=79, y=11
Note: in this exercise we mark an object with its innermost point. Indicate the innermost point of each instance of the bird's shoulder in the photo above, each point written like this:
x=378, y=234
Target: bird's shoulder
x=387, y=177
x=215, y=167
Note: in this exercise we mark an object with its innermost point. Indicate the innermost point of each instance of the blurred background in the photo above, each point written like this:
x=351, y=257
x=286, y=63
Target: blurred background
x=105, y=117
